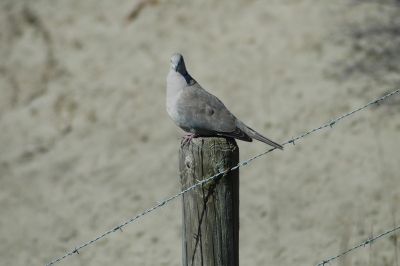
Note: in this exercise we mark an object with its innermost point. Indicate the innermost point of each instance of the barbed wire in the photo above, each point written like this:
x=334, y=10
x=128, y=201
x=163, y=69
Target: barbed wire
x=366, y=242
x=160, y=204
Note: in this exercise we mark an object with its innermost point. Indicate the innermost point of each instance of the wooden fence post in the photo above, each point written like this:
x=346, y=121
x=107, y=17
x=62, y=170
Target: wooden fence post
x=211, y=211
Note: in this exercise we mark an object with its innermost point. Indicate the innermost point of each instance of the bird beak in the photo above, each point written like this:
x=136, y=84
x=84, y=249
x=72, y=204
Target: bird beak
x=176, y=67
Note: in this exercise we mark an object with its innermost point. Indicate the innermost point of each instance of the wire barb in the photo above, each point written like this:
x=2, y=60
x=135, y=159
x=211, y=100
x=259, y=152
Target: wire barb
x=118, y=227
x=233, y=168
x=75, y=251
x=368, y=241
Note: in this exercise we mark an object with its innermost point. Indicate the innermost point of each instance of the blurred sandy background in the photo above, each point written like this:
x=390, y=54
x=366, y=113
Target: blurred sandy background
x=86, y=142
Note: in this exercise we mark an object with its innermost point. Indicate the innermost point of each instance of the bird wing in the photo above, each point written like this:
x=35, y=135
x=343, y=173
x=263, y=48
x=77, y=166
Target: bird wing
x=207, y=115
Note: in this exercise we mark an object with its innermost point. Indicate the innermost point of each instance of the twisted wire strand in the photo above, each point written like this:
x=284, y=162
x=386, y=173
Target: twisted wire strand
x=366, y=242
x=160, y=204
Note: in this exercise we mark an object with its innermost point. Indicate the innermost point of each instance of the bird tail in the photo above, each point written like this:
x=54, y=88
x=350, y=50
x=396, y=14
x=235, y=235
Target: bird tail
x=260, y=137
x=254, y=134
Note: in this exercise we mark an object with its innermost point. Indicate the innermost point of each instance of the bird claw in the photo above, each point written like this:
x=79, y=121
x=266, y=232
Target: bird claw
x=187, y=138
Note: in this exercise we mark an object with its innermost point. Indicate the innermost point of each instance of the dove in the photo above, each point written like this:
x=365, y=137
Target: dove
x=200, y=113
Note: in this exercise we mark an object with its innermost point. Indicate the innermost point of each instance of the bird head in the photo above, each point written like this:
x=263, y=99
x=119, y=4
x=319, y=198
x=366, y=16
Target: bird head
x=178, y=64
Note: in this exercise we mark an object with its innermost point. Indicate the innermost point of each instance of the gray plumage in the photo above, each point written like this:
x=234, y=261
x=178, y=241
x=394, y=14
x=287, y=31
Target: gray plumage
x=198, y=112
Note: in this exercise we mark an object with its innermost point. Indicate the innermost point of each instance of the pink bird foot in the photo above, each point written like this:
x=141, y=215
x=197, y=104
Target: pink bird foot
x=187, y=138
